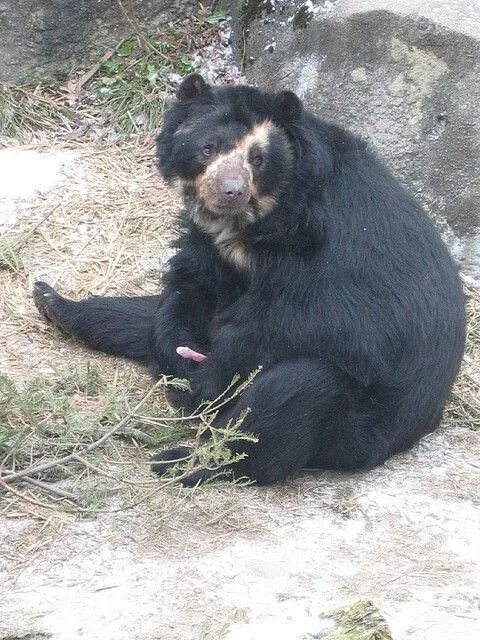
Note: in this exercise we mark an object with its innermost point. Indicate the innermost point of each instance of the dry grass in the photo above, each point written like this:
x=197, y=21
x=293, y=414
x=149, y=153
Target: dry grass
x=114, y=214
x=109, y=232
x=26, y=110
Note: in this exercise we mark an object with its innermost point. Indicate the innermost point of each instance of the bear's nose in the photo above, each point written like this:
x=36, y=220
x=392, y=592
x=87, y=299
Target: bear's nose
x=233, y=190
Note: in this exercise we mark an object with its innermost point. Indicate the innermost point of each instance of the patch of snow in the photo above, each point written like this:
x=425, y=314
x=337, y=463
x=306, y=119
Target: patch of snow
x=301, y=625
x=26, y=174
x=303, y=75
x=324, y=7
x=216, y=62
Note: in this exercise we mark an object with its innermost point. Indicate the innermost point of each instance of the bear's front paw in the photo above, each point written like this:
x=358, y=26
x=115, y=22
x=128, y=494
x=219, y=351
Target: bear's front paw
x=180, y=399
x=165, y=460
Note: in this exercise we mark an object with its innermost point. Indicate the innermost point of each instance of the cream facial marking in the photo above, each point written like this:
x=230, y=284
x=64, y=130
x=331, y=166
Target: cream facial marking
x=226, y=185
x=258, y=136
x=228, y=182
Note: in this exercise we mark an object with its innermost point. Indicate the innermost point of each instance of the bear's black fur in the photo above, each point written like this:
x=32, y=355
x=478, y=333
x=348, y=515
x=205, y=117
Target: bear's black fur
x=301, y=253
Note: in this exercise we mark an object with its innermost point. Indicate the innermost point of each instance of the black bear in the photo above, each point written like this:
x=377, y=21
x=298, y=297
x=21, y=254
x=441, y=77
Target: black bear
x=301, y=253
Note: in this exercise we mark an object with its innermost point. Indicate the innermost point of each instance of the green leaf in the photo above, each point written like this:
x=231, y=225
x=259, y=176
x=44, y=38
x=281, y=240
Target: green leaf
x=126, y=48
x=113, y=67
x=160, y=46
x=217, y=18
x=185, y=67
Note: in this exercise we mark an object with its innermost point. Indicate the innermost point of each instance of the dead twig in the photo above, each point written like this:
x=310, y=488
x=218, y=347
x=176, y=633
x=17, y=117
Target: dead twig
x=101, y=472
x=20, y=242
x=24, y=497
x=131, y=18
x=88, y=75
x=48, y=488
x=36, y=226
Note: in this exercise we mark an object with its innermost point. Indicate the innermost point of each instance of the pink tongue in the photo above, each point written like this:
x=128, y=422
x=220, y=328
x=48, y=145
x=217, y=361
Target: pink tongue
x=190, y=354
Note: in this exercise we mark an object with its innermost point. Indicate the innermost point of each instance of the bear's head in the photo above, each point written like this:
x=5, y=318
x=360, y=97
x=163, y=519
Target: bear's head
x=229, y=147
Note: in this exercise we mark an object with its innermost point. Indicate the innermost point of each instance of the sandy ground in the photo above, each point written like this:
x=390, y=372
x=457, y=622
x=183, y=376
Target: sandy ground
x=226, y=562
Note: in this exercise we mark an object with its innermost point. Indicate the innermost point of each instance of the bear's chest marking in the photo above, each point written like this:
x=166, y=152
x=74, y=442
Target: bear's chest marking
x=233, y=249
x=227, y=238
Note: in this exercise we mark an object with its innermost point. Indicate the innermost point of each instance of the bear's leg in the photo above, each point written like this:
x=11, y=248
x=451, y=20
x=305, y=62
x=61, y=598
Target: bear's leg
x=297, y=408
x=117, y=326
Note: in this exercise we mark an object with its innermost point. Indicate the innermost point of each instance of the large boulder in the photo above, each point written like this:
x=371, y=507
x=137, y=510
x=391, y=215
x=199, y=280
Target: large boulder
x=46, y=39
x=404, y=74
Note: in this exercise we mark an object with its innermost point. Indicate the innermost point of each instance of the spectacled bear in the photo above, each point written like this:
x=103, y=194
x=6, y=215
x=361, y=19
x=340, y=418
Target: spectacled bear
x=300, y=253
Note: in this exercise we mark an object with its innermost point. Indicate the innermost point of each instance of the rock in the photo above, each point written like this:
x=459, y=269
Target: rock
x=45, y=40
x=403, y=74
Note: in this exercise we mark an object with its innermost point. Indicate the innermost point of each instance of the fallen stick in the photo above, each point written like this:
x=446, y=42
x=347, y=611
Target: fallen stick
x=47, y=487
x=22, y=496
x=93, y=70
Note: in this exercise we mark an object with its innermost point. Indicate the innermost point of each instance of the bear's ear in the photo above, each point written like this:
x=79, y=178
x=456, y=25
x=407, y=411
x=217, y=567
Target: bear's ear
x=192, y=87
x=288, y=105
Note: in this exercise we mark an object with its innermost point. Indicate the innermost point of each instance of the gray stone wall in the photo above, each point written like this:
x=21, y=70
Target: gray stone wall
x=46, y=39
x=404, y=74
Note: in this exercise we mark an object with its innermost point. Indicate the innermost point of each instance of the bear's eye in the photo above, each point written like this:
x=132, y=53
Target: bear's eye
x=208, y=150
x=257, y=160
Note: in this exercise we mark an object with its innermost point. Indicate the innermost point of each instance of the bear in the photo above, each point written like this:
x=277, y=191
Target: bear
x=300, y=253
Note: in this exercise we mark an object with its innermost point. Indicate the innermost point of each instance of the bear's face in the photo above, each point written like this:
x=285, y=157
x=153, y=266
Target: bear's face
x=232, y=166
x=232, y=159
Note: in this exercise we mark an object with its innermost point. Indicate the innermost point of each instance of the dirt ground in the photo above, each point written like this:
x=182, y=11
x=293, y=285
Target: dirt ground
x=224, y=561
